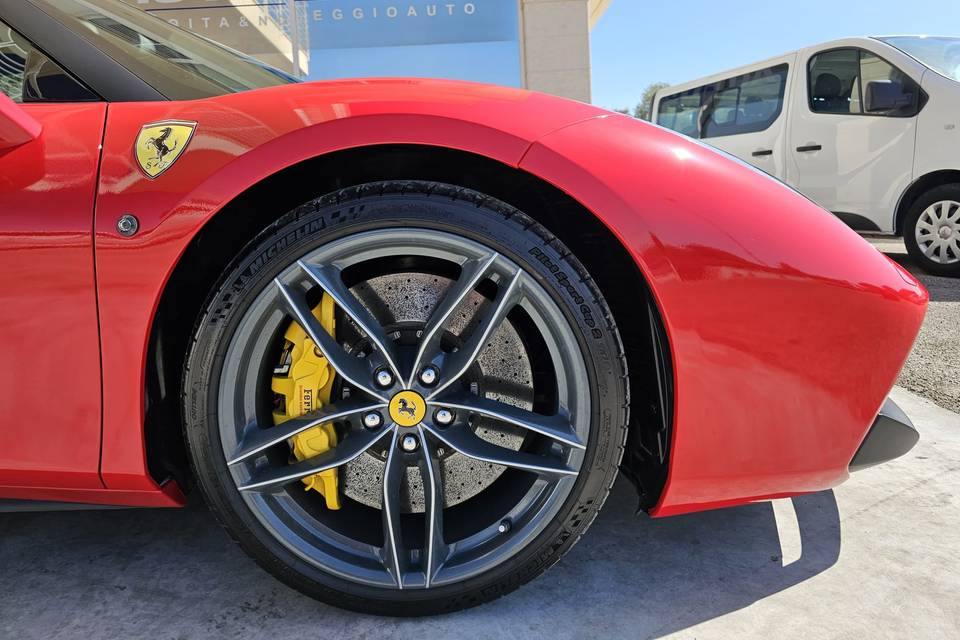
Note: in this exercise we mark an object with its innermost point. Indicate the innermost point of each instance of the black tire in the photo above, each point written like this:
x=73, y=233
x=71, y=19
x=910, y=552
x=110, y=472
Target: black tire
x=943, y=193
x=431, y=206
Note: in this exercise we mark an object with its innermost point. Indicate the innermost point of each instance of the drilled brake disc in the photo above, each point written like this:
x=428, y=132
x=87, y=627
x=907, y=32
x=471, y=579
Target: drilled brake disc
x=502, y=373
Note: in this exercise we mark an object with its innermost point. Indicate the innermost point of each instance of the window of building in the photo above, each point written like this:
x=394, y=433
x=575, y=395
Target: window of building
x=27, y=75
x=854, y=81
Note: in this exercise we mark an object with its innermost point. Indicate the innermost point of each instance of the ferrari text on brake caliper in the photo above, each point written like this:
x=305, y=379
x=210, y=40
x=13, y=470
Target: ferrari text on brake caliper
x=303, y=381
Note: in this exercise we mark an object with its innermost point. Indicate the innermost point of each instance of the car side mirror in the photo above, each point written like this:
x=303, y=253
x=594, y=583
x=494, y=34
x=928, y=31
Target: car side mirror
x=16, y=125
x=887, y=95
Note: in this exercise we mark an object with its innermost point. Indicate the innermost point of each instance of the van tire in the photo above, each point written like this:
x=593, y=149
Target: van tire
x=947, y=193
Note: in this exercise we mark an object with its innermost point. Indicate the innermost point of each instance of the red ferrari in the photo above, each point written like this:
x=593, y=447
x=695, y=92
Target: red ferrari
x=402, y=335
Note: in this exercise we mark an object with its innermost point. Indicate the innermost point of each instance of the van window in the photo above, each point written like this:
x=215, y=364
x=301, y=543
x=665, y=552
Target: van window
x=681, y=112
x=942, y=54
x=855, y=81
x=744, y=104
x=723, y=110
x=833, y=81
x=762, y=98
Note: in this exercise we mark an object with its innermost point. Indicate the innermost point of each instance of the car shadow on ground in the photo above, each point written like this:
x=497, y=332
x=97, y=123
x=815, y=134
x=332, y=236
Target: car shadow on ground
x=174, y=573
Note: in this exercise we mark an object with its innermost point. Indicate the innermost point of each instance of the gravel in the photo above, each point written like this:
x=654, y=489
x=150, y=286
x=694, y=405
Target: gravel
x=933, y=368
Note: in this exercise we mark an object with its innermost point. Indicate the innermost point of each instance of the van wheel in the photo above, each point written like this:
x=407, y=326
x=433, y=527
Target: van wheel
x=932, y=231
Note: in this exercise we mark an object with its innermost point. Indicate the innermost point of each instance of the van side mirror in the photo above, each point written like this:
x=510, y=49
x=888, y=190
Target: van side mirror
x=16, y=125
x=887, y=95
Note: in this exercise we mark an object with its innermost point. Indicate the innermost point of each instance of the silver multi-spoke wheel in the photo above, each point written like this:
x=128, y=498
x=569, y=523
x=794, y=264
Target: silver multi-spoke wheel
x=426, y=365
x=937, y=232
x=406, y=398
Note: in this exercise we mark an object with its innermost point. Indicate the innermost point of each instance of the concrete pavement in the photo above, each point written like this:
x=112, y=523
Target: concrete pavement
x=877, y=557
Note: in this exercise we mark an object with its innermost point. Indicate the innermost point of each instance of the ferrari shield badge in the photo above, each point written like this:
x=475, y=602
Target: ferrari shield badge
x=161, y=143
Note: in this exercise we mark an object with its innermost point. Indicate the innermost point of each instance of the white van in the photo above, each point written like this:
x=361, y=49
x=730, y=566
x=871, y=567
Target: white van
x=866, y=127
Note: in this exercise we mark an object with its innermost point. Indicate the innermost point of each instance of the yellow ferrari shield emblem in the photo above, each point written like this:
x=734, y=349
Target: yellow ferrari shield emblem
x=161, y=143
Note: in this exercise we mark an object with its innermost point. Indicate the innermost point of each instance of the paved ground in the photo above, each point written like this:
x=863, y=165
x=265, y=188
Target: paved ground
x=933, y=369
x=875, y=558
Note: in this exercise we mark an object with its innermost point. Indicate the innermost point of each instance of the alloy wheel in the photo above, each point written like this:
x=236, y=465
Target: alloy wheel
x=421, y=407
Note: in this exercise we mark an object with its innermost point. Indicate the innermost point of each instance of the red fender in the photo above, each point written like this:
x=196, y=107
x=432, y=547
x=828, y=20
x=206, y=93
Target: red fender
x=774, y=333
x=240, y=140
x=787, y=330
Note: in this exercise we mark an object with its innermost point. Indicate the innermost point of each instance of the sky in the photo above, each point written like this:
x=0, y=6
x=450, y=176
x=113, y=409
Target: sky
x=638, y=42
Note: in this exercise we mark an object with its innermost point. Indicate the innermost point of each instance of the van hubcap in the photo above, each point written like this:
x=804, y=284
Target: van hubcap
x=938, y=232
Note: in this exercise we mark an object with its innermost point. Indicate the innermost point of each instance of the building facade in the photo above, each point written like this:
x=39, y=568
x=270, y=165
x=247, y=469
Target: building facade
x=542, y=45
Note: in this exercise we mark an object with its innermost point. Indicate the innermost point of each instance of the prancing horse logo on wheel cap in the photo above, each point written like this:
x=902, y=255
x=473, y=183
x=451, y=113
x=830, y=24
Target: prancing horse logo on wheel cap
x=407, y=408
x=160, y=144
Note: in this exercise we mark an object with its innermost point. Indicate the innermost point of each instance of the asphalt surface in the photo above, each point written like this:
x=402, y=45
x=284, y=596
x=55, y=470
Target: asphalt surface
x=933, y=368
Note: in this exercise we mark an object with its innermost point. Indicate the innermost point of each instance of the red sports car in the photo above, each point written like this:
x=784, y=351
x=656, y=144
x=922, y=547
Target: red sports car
x=402, y=335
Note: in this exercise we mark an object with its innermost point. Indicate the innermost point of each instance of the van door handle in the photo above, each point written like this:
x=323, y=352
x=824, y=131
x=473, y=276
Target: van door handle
x=809, y=147
x=763, y=152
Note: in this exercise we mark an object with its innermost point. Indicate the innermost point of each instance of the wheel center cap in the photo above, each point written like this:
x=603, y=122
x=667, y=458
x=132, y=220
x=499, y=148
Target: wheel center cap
x=946, y=231
x=407, y=408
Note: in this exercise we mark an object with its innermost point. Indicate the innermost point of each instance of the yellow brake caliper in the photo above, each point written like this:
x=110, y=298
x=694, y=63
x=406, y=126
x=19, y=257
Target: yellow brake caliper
x=305, y=380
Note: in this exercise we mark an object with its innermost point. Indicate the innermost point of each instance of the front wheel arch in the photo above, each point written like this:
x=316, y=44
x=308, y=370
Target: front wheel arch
x=241, y=220
x=917, y=189
x=934, y=207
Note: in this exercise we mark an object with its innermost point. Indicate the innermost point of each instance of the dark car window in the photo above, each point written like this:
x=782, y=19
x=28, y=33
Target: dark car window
x=833, y=81
x=743, y=104
x=178, y=64
x=681, y=112
x=28, y=75
x=855, y=81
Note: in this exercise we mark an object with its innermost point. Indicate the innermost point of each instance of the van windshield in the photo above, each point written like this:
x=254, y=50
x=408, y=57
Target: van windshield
x=942, y=54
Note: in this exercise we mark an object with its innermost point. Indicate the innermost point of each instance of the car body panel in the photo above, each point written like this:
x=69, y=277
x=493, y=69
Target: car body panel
x=772, y=330
x=49, y=340
x=774, y=333
x=938, y=128
x=239, y=140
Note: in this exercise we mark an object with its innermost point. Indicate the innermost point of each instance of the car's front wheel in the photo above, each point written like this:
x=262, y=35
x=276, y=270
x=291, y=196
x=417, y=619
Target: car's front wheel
x=406, y=398
x=931, y=231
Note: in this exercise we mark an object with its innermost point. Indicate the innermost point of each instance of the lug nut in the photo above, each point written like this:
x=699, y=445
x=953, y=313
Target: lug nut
x=429, y=376
x=504, y=526
x=409, y=443
x=372, y=420
x=384, y=378
x=443, y=417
